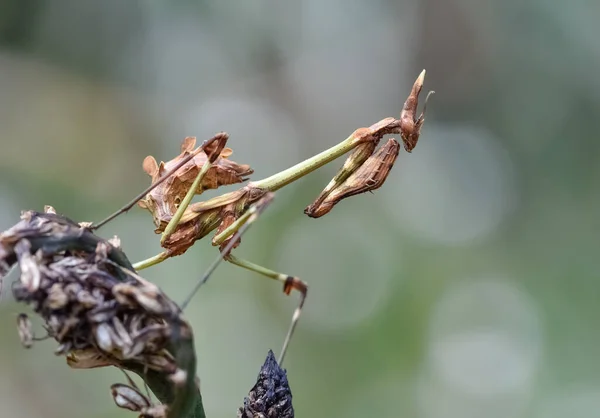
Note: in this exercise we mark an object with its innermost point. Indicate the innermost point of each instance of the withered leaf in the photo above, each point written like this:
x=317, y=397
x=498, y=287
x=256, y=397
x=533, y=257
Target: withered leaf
x=24, y=328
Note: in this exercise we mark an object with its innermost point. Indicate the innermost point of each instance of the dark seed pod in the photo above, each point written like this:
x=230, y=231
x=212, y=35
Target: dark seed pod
x=271, y=396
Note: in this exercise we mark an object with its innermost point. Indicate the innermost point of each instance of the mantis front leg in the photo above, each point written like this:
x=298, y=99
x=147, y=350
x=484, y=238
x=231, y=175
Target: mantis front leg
x=289, y=282
x=227, y=239
x=232, y=234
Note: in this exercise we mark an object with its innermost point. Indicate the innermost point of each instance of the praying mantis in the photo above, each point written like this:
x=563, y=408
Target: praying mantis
x=181, y=222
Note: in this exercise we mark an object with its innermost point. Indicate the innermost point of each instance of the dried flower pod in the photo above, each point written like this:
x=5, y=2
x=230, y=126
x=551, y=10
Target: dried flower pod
x=163, y=201
x=370, y=176
x=25, y=330
x=127, y=397
x=271, y=395
x=104, y=338
x=130, y=397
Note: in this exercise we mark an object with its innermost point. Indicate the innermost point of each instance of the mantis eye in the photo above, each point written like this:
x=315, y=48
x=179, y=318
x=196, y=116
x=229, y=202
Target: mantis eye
x=177, y=201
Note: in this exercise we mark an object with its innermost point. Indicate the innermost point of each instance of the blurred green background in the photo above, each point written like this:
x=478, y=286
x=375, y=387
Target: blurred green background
x=467, y=286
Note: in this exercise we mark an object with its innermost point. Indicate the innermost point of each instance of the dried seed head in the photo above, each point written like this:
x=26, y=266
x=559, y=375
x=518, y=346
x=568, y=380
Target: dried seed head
x=25, y=330
x=271, y=395
x=163, y=201
x=75, y=294
x=369, y=176
x=96, y=308
x=409, y=122
x=49, y=209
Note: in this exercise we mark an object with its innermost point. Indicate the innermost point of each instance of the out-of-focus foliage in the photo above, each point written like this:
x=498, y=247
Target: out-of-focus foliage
x=467, y=286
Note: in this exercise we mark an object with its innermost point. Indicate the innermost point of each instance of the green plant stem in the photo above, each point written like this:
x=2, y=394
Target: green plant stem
x=285, y=177
x=187, y=402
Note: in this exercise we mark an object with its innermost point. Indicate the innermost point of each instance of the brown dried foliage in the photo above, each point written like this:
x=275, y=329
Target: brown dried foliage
x=99, y=313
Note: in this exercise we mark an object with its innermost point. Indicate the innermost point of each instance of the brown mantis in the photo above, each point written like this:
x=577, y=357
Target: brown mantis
x=182, y=222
